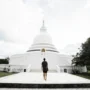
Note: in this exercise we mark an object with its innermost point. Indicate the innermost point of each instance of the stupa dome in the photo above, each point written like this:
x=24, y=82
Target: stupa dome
x=42, y=47
x=43, y=38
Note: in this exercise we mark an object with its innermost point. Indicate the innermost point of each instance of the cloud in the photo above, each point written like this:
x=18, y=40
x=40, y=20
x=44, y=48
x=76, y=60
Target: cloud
x=87, y=4
x=67, y=21
x=2, y=35
x=18, y=20
x=71, y=49
x=9, y=48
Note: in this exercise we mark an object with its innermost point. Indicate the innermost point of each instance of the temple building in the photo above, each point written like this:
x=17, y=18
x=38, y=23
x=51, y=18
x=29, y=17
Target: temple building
x=42, y=47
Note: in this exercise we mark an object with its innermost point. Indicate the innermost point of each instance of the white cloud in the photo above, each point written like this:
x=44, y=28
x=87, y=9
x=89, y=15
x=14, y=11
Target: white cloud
x=71, y=49
x=67, y=21
x=8, y=48
x=87, y=4
x=18, y=20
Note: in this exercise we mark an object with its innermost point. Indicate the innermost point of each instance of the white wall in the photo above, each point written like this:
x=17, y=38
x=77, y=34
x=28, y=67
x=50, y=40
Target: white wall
x=19, y=68
x=35, y=59
x=4, y=66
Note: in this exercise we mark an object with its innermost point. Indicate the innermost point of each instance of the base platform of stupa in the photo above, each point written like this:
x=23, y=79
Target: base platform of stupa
x=35, y=80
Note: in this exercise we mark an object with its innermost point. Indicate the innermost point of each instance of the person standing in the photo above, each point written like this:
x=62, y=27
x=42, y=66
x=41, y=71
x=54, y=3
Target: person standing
x=45, y=68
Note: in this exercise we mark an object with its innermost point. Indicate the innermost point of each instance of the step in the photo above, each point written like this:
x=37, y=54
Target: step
x=49, y=86
x=34, y=80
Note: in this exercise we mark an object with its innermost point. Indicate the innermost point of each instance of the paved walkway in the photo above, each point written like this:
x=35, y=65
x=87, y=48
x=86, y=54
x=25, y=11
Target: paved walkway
x=37, y=77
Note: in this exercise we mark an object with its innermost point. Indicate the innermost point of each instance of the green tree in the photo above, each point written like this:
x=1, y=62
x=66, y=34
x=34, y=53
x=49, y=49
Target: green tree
x=83, y=57
x=4, y=61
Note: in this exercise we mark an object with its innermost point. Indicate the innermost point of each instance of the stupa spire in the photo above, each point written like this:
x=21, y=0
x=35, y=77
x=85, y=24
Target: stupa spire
x=43, y=22
x=43, y=28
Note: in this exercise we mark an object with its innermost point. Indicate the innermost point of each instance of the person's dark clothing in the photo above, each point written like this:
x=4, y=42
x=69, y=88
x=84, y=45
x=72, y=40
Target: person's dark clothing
x=45, y=66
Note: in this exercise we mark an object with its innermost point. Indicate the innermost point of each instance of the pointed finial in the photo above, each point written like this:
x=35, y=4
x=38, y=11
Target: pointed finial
x=43, y=23
x=43, y=28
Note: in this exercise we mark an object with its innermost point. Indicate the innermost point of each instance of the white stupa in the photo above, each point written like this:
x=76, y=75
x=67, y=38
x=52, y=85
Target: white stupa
x=34, y=56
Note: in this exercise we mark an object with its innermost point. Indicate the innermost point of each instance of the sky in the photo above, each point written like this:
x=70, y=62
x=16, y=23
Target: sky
x=67, y=22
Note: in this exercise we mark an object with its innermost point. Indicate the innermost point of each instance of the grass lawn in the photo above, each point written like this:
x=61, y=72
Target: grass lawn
x=2, y=74
x=84, y=75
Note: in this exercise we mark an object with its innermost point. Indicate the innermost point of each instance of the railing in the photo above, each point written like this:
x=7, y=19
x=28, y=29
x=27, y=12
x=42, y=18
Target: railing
x=70, y=69
x=15, y=68
x=57, y=68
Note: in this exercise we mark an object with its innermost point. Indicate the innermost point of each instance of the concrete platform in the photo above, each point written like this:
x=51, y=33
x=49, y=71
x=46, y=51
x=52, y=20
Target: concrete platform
x=37, y=77
x=35, y=80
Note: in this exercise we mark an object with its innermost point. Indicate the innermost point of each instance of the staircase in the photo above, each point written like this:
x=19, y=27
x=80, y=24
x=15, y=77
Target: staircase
x=34, y=81
x=34, y=70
